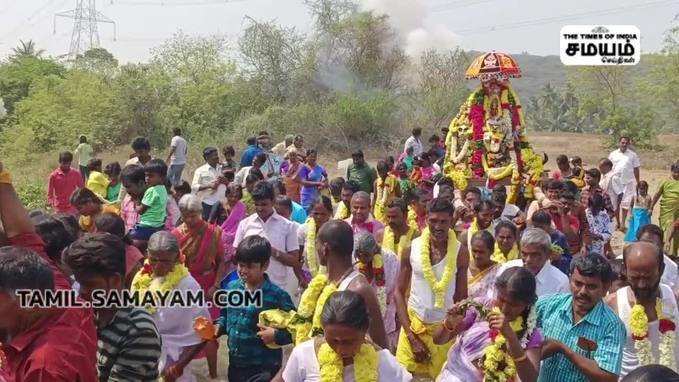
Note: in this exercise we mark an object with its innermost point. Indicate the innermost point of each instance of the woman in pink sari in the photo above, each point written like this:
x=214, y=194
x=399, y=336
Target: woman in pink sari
x=235, y=212
x=201, y=245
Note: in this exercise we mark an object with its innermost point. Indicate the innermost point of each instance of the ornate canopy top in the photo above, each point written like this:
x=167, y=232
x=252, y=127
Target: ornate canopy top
x=493, y=65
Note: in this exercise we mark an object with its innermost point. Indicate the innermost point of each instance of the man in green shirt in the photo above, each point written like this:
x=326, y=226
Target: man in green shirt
x=361, y=173
x=83, y=153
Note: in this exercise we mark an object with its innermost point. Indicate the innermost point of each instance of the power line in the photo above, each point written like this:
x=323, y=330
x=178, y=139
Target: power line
x=553, y=19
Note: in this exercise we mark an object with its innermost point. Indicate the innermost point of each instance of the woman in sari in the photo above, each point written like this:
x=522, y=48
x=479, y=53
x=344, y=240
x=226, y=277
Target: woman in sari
x=314, y=178
x=235, y=211
x=163, y=270
x=291, y=175
x=201, y=244
x=515, y=302
x=482, y=270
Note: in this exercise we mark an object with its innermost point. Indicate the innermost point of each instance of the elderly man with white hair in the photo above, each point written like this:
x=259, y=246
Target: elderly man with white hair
x=180, y=343
x=535, y=252
x=380, y=267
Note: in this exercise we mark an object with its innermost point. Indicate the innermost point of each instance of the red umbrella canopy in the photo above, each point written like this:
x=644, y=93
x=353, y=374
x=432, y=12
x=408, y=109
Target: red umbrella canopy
x=493, y=65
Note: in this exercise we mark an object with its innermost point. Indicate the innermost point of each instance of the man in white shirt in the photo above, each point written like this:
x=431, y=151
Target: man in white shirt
x=610, y=183
x=415, y=142
x=208, y=182
x=535, y=251
x=626, y=167
x=176, y=159
x=281, y=234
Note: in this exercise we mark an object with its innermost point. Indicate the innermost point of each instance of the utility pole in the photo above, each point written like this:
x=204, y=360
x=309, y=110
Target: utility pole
x=85, y=34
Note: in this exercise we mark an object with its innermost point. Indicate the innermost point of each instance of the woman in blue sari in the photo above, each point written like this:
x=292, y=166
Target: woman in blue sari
x=314, y=178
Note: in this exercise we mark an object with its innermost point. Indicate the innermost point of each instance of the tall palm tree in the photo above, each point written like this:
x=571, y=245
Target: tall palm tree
x=27, y=48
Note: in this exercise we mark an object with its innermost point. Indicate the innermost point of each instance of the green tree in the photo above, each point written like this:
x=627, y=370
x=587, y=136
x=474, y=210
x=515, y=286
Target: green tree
x=26, y=49
x=20, y=73
x=440, y=88
x=97, y=60
x=273, y=57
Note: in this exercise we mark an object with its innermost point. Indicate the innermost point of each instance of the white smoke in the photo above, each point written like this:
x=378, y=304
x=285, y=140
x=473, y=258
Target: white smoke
x=409, y=18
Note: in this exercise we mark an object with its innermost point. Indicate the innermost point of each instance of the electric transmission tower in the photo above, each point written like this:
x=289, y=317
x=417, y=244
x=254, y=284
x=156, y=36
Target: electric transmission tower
x=85, y=34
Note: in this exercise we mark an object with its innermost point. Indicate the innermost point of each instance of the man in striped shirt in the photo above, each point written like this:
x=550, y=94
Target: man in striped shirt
x=583, y=336
x=129, y=344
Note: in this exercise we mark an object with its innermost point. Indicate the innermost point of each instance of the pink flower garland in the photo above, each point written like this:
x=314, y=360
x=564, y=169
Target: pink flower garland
x=477, y=117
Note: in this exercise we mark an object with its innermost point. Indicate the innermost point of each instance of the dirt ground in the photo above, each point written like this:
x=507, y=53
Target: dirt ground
x=654, y=168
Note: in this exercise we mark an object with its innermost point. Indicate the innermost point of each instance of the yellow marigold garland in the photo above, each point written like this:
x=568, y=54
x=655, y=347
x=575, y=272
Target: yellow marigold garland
x=388, y=240
x=310, y=248
x=500, y=257
x=342, y=211
x=302, y=323
x=439, y=287
x=498, y=365
x=381, y=196
x=143, y=279
x=316, y=327
x=366, y=364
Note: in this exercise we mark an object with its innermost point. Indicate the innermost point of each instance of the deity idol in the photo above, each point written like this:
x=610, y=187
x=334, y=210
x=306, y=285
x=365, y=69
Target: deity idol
x=486, y=140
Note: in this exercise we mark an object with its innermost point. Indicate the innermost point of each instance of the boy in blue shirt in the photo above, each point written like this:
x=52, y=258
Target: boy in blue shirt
x=153, y=207
x=249, y=356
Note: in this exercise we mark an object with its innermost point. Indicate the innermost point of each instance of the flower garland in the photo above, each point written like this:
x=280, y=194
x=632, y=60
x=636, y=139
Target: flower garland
x=389, y=241
x=438, y=287
x=316, y=327
x=381, y=196
x=366, y=364
x=302, y=322
x=499, y=257
x=639, y=328
x=498, y=365
x=412, y=217
x=143, y=280
x=342, y=211
x=377, y=267
x=310, y=244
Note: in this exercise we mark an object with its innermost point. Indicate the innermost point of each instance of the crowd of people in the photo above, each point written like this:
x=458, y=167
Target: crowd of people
x=388, y=273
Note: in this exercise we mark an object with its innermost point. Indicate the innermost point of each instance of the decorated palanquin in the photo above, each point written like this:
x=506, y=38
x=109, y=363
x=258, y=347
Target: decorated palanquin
x=486, y=141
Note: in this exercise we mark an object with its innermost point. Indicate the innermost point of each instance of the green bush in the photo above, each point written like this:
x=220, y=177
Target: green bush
x=33, y=195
